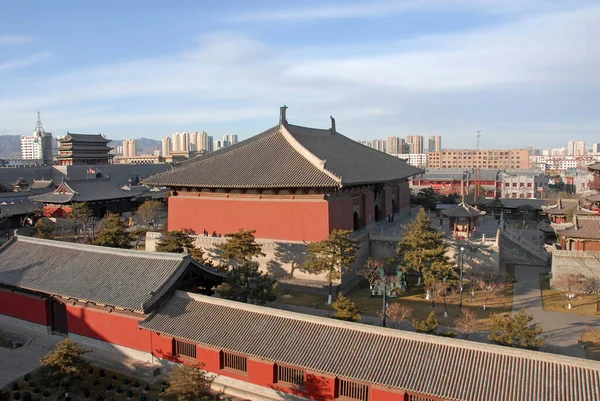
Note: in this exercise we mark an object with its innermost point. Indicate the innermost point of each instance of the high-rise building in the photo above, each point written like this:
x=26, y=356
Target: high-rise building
x=181, y=142
x=379, y=144
x=129, y=148
x=558, y=152
x=576, y=148
x=416, y=143
x=366, y=143
x=596, y=148
x=37, y=146
x=394, y=145
x=166, y=146
x=435, y=143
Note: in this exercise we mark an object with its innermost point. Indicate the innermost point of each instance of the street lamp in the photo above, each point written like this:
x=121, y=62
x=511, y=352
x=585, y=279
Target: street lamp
x=384, y=282
x=462, y=258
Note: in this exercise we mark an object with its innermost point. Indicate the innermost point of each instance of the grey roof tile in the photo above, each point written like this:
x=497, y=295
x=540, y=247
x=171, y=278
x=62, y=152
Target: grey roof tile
x=463, y=210
x=584, y=227
x=84, y=138
x=440, y=367
x=290, y=157
x=84, y=191
x=109, y=276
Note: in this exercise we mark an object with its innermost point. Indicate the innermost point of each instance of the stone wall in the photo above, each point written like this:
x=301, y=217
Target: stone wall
x=575, y=262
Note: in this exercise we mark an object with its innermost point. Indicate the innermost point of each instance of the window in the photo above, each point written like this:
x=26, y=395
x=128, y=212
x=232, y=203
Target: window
x=183, y=348
x=353, y=390
x=415, y=397
x=235, y=362
x=285, y=374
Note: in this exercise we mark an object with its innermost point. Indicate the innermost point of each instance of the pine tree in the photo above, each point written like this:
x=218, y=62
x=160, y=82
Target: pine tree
x=44, y=228
x=245, y=282
x=114, y=233
x=424, y=249
x=517, y=331
x=189, y=383
x=426, y=326
x=64, y=367
x=346, y=309
x=332, y=256
x=241, y=247
x=174, y=242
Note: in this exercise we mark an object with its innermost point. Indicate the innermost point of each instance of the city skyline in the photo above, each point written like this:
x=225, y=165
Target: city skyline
x=448, y=68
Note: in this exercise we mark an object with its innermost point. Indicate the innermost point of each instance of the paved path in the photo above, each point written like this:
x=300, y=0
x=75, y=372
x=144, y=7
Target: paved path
x=563, y=329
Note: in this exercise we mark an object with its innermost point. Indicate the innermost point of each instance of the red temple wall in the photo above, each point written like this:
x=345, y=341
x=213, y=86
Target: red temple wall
x=24, y=306
x=114, y=327
x=294, y=220
x=341, y=213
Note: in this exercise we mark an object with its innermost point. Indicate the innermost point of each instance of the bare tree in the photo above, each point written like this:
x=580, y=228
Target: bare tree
x=371, y=271
x=467, y=323
x=569, y=285
x=397, y=315
x=446, y=293
x=491, y=286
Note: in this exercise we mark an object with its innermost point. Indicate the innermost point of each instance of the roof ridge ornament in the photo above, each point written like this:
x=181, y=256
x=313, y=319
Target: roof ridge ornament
x=332, y=129
x=282, y=115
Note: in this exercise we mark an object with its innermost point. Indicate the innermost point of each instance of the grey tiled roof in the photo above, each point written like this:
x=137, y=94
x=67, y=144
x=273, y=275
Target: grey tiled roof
x=108, y=276
x=462, y=210
x=84, y=191
x=564, y=205
x=440, y=367
x=290, y=157
x=84, y=138
x=584, y=227
x=18, y=209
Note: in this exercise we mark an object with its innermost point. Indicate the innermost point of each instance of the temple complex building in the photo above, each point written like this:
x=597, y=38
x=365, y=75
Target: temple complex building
x=87, y=149
x=288, y=183
x=100, y=194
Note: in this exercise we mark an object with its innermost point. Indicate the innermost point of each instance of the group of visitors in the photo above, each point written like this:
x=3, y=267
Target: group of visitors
x=214, y=234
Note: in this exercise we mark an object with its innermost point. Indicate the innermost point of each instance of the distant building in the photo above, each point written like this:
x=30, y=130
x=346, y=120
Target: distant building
x=435, y=143
x=380, y=145
x=558, y=152
x=596, y=148
x=414, y=159
x=166, y=146
x=37, y=146
x=562, y=163
x=129, y=148
x=87, y=149
x=394, y=145
x=529, y=184
x=416, y=143
x=576, y=148
x=487, y=159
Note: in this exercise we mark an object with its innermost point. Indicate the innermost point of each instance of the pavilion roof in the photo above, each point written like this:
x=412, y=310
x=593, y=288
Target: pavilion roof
x=288, y=156
x=83, y=138
x=97, y=189
x=122, y=278
x=594, y=167
x=463, y=210
x=594, y=198
x=441, y=368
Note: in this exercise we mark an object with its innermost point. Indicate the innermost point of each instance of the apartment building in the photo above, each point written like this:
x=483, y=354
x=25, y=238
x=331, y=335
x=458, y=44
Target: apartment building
x=488, y=159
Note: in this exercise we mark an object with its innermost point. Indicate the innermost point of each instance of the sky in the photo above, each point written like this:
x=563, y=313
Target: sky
x=523, y=72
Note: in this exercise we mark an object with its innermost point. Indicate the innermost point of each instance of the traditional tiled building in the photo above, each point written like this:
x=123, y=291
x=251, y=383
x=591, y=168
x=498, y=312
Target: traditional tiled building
x=100, y=194
x=564, y=209
x=582, y=235
x=151, y=306
x=460, y=182
x=88, y=149
x=288, y=183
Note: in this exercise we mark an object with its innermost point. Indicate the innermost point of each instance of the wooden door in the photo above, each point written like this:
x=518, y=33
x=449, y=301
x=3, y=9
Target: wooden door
x=59, y=317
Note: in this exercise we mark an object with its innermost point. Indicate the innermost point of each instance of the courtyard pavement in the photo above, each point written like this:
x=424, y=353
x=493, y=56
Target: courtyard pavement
x=563, y=329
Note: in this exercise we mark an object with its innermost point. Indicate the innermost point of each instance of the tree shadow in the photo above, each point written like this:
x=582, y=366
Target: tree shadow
x=276, y=270
x=315, y=388
x=294, y=254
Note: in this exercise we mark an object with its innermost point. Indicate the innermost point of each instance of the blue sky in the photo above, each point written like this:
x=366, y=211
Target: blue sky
x=524, y=72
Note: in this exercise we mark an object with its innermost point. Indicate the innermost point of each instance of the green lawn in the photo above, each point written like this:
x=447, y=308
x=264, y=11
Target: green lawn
x=553, y=300
x=106, y=386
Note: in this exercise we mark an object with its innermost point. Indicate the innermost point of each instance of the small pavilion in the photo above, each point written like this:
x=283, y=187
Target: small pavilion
x=462, y=219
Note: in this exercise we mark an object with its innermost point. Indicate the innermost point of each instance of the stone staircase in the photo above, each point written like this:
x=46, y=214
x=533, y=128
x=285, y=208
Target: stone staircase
x=530, y=247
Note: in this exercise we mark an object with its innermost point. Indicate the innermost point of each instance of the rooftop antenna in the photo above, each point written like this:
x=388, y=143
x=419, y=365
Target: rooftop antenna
x=38, y=124
x=478, y=136
x=477, y=174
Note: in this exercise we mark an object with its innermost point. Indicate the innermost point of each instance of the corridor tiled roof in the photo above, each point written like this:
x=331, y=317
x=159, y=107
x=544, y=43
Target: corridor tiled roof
x=288, y=156
x=96, y=189
x=584, y=227
x=449, y=369
x=121, y=278
x=563, y=206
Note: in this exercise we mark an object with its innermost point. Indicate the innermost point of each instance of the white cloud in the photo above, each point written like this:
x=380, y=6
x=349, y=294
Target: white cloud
x=24, y=61
x=14, y=39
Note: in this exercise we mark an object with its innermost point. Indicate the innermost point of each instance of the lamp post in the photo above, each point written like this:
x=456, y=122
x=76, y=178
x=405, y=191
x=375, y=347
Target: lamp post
x=384, y=282
x=462, y=258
